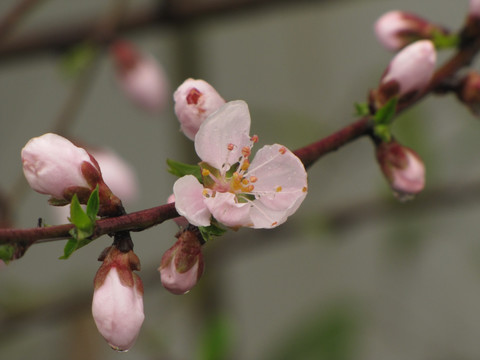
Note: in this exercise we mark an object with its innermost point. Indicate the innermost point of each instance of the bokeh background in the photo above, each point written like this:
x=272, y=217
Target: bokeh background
x=354, y=274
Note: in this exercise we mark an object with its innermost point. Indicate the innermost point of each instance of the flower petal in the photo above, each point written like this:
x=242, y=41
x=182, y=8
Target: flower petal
x=229, y=125
x=226, y=210
x=189, y=200
x=281, y=179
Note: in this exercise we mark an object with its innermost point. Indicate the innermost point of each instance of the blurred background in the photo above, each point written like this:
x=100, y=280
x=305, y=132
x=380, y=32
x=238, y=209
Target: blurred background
x=354, y=274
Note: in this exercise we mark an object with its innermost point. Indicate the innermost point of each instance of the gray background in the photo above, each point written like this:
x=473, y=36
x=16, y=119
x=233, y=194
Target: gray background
x=392, y=281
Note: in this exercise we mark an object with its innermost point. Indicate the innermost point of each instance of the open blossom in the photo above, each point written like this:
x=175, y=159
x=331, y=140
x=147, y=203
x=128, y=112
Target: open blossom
x=195, y=100
x=117, y=305
x=236, y=192
x=402, y=167
x=182, y=264
x=140, y=76
x=396, y=29
x=408, y=73
x=53, y=165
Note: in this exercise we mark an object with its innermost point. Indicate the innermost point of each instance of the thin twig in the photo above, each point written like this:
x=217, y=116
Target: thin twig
x=11, y=20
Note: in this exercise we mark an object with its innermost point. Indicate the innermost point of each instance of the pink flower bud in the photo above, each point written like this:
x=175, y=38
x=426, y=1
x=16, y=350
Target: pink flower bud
x=141, y=77
x=195, y=100
x=53, y=165
x=179, y=220
x=402, y=167
x=182, y=264
x=409, y=72
x=474, y=8
x=117, y=305
x=396, y=29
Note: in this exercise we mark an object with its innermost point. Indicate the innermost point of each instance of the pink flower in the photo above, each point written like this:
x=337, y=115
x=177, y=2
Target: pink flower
x=182, y=264
x=195, y=100
x=260, y=194
x=53, y=165
x=141, y=77
x=117, y=305
x=179, y=220
x=474, y=8
x=409, y=72
x=396, y=29
x=402, y=167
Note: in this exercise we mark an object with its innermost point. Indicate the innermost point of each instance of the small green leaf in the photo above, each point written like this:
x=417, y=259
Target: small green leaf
x=179, y=169
x=93, y=204
x=6, y=252
x=208, y=232
x=445, y=41
x=383, y=132
x=362, y=109
x=78, y=58
x=69, y=248
x=79, y=217
x=385, y=114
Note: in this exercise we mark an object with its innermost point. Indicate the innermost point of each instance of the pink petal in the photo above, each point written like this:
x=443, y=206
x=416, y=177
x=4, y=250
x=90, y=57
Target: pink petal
x=229, y=125
x=281, y=179
x=230, y=213
x=189, y=200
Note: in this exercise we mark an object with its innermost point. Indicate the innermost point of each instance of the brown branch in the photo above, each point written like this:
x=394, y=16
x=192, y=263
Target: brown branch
x=167, y=13
x=15, y=16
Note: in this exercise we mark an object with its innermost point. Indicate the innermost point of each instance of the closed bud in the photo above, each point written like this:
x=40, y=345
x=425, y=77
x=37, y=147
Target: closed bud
x=402, y=167
x=408, y=74
x=182, y=264
x=474, y=9
x=195, y=100
x=141, y=77
x=54, y=166
x=117, y=305
x=396, y=29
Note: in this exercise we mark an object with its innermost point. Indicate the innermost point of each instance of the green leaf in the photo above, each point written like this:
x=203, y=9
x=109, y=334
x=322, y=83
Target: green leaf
x=180, y=169
x=93, y=204
x=208, y=232
x=6, y=252
x=361, y=109
x=216, y=340
x=385, y=114
x=445, y=41
x=78, y=58
x=383, y=132
x=69, y=248
x=79, y=217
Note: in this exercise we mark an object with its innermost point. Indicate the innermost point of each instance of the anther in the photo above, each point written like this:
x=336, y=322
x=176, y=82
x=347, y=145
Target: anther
x=253, y=179
x=246, y=151
x=278, y=189
x=230, y=147
x=205, y=172
x=282, y=150
x=254, y=139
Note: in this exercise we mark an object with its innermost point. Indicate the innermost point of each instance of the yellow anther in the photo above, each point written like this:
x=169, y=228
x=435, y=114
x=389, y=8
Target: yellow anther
x=278, y=189
x=205, y=172
x=253, y=179
x=245, y=165
x=245, y=181
x=249, y=188
x=205, y=193
x=254, y=139
x=304, y=189
x=282, y=150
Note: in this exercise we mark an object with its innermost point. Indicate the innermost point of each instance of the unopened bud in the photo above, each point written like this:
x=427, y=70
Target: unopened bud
x=409, y=72
x=474, y=9
x=182, y=264
x=140, y=76
x=53, y=165
x=195, y=100
x=402, y=167
x=117, y=305
x=469, y=92
x=396, y=29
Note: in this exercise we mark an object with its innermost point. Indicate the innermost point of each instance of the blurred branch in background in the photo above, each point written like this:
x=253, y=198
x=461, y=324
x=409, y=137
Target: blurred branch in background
x=12, y=19
x=171, y=12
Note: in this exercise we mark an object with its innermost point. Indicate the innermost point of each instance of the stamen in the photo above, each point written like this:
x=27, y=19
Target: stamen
x=278, y=189
x=230, y=147
x=205, y=172
x=246, y=151
x=254, y=139
x=245, y=181
x=245, y=165
x=205, y=193
x=249, y=188
x=274, y=223
x=253, y=179
x=304, y=189
x=282, y=150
